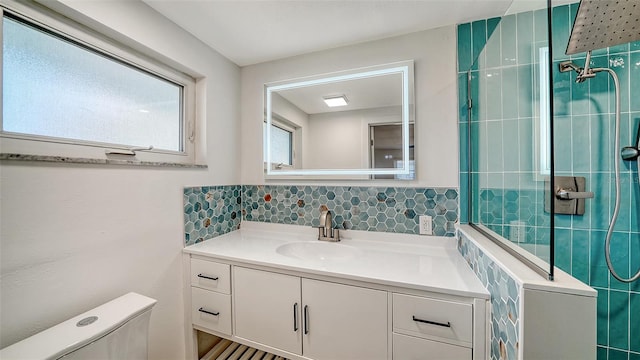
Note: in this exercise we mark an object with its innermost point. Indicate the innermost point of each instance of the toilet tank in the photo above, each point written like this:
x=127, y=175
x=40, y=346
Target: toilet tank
x=116, y=330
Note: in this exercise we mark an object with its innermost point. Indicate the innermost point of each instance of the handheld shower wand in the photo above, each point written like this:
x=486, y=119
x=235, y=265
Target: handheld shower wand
x=627, y=153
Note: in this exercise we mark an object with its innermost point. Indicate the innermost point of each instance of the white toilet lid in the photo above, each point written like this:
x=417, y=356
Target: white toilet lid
x=80, y=330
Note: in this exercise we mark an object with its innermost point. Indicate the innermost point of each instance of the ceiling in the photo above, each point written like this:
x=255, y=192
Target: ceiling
x=254, y=31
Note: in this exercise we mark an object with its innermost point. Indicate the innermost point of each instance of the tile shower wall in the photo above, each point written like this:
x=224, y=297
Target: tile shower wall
x=584, y=134
x=210, y=211
x=387, y=209
x=502, y=55
x=583, y=125
x=505, y=299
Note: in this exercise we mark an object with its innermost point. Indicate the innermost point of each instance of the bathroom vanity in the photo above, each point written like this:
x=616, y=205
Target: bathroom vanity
x=371, y=296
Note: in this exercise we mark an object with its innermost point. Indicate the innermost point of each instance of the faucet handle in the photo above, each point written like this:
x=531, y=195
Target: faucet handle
x=335, y=234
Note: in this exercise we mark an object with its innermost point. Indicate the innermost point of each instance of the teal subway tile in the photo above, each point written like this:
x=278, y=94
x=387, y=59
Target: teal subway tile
x=526, y=91
x=580, y=255
x=634, y=46
x=615, y=354
x=602, y=324
x=623, y=222
x=526, y=147
x=511, y=146
x=620, y=64
x=510, y=91
x=464, y=198
x=601, y=353
x=464, y=47
x=634, y=356
x=619, y=319
x=562, y=239
x=525, y=37
x=478, y=42
x=600, y=212
x=493, y=87
x=478, y=106
x=563, y=221
x=463, y=130
x=478, y=137
x=562, y=83
x=619, y=250
x=540, y=26
x=463, y=113
x=562, y=143
x=580, y=99
x=492, y=26
x=493, y=48
x=495, y=150
x=581, y=137
x=601, y=144
x=508, y=34
x=617, y=49
x=634, y=321
x=599, y=276
x=599, y=95
x=560, y=29
x=634, y=76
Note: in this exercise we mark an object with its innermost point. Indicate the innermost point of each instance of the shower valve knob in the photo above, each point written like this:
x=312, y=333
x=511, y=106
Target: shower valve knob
x=563, y=194
x=629, y=153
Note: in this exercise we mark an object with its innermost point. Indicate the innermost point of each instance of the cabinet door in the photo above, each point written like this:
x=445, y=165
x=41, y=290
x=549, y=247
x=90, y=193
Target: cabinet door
x=343, y=322
x=267, y=308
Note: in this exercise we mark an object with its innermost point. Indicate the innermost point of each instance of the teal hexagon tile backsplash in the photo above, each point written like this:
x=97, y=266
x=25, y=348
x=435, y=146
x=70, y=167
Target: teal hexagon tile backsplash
x=386, y=209
x=505, y=299
x=210, y=211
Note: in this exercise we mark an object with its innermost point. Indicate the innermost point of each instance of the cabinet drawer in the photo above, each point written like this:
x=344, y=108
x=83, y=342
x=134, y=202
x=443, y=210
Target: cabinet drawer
x=211, y=275
x=411, y=348
x=204, y=307
x=431, y=318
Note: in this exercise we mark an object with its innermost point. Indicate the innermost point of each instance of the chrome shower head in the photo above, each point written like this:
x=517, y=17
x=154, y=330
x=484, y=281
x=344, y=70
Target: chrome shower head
x=604, y=23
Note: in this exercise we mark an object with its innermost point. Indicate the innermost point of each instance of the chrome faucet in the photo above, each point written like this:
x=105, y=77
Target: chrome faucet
x=325, y=231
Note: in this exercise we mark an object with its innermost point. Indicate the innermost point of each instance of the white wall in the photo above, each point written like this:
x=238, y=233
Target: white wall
x=75, y=236
x=434, y=55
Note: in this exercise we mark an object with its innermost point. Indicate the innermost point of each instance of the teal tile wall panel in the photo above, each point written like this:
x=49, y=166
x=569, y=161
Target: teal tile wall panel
x=505, y=299
x=386, y=209
x=210, y=211
x=584, y=127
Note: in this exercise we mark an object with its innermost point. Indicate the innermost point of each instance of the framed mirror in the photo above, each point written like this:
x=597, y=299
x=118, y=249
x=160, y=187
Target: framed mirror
x=354, y=124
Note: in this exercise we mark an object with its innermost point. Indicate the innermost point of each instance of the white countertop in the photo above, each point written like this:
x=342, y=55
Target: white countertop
x=428, y=263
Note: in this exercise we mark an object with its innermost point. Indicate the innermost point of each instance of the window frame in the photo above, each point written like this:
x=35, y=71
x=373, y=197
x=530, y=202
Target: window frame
x=281, y=124
x=90, y=40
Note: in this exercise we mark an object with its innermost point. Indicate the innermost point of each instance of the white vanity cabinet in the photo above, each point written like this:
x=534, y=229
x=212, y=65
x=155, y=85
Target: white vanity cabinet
x=211, y=295
x=316, y=319
x=389, y=297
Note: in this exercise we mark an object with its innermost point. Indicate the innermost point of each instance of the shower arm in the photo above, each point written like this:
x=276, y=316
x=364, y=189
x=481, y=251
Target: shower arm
x=585, y=72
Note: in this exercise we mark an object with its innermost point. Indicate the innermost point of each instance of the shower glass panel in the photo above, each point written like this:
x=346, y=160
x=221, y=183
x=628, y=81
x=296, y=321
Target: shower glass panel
x=508, y=133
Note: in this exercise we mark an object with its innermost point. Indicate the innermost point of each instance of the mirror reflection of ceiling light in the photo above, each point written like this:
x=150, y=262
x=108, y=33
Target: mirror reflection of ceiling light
x=333, y=101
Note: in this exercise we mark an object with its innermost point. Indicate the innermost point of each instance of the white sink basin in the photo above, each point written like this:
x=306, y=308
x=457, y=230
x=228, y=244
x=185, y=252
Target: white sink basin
x=318, y=251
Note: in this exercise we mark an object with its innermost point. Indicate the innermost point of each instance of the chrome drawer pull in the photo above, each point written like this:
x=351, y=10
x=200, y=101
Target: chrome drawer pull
x=448, y=324
x=295, y=317
x=207, y=277
x=209, y=312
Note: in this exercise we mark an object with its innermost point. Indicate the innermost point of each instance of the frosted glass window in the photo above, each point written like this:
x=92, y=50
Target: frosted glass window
x=281, y=146
x=55, y=88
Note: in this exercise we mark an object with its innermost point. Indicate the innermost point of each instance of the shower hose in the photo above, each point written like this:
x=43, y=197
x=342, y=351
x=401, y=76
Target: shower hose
x=616, y=209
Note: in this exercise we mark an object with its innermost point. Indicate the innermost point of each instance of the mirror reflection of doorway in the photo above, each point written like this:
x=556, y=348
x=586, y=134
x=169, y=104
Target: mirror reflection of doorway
x=386, y=149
